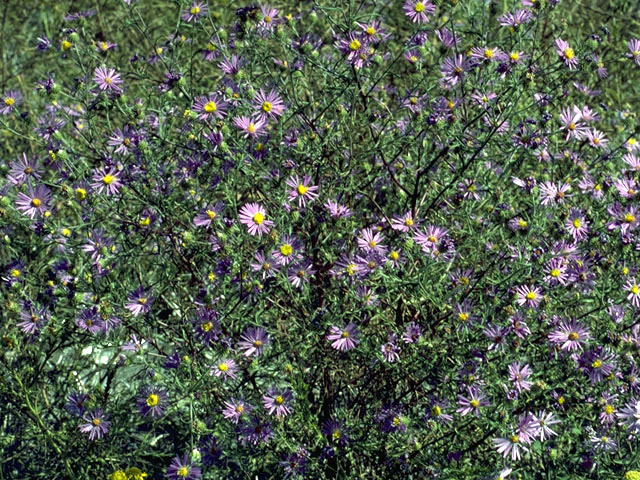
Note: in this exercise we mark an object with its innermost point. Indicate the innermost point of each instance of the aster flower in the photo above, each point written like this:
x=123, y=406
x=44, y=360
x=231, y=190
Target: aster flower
x=253, y=216
x=250, y=126
x=32, y=318
x=412, y=333
x=355, y=48
x=90, y=320
x=10, y=101
x=231, y=66
x=208, y=215
x=515, y=19
x=430, y=237
x=577, y=225
x=301, y=190
x=335, y=431
x=404, y=223
x=626, y=187
x=570, y=335
x=556, y=272
x=140, y=301
x=597, y=363
x=596, y=138
x=269, y=20
x=234, y=409
x=472, y=402
x=183, y=469
x=98, y=244
x=570, y=121
x=34, y=202
x=542, y=423
x=268, y=105
x=76, y=403
x=278, y=401
x=518, y=375
x=608, y=412
x=634, y=50
x=336, y=210
x=371, y=241
x=419, y=11
x=195, y=11
x=107, y=79
x=454, y=68
x=224, y=368
x=301, y=273
x=266, y=265
x=253, y=341
x=634, y=292
x=602, y=441
x=485, y=54
x=106, y=179
x=629, y=416
x=207, y=325
x=290, y=250
x=624, y=218
x=528, y=295
x=210, y=107
x=390, y=351
x=566, y=53
x=152, y=401
x=22, y=170
x=96, y=425
x=210, y=450
x=550, y=193
x=447, y=38
x=123, y=139
x=255, y=432
x=343, y=339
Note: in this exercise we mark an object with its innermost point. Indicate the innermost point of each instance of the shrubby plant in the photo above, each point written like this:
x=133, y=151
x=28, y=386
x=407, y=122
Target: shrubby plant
x=360, y=239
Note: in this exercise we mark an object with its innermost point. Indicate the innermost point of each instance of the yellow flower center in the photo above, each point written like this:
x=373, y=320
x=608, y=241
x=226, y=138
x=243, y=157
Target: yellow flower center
x=437, y=411
x=210, y=107
x=81, y=193
x=8, y=101
x=152, y=400
x=184, y=471
x=211, y=47
x=207, y=326
x=531, y=296
x=257, y=343
x=302, y=189
x=345, y=334
x=258, y=218
x=15, y=273
x=195, y=10
x=635, y=289
x=96, y=422
x=568, y=53
x=104, y=46
x=474, y=403
x=514, y=439
x=432, y=238
x=336, y=434
x=413, y=59
x=596, y=140
x=629, y=218
x=251, y=128
x=211, y=214
x=418, y=7
x=239, y=409
x=463, y=317
x=223, y=367
x=555, y=273
x=267, y=107
x=577, y=223
x=371, y=31
x=609, y=409
x=107, y=179
x=488, y=53
x=561, y=400
x=145, y=222
x=36, y=202
x=279, y=400
x=355, y=45
x=142, y=301
x=286, y=249
x=597, y=363
x=394, y=255
x=522, y=223
x=351, y=269
x=573, y=336
x=66, y=44
x=514, y=56
x=268, y=19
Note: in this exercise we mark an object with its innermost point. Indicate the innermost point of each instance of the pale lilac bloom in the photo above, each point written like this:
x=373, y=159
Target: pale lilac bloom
x=234, y=409
x=627, y=187
x=412, y=333
x=509, y=447
x=569, y=335
x=390, y=351
x=550, y=193
x=250, y=126
x=577, y=225
x=419, y=11
x=97, y=424
x=253, y=341
x=404, y=223
x=210, y=107
x=301, y=273
x=596, y=138
x=472, y=402
x=35, y=201
x=268, y=105
x=9, y=101
x=515, y=19
x=195, y=11
x=106, y=179
x=371, y=241
x=269, y=19
x=265, y=265
x=519, y=375
x=290, y=250
x=454, y=68
x=140, y=301
x=570, y=120
x=634, y=292
x=556, y=272
x=634, y=50
x=566, y=53
x=528, y=295
x=278, y=401
x=22, y=170
x=224, y=368
x=633, y=161
x=208, y=215
x=253, y=216
x=630, y=416
x=107, y=79
x=343, y=339
x=301, y=189
x=336, y=210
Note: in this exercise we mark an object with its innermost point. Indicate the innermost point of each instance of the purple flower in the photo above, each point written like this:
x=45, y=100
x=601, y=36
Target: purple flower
x=106, y=179
x=253, y=216
x=634, y=292
x=22, y=170
x=250, y=126
x=97, y=424
x=278, y=401
x=140, y=301
x=571, y=335
x=454, y=68
x=634, y=50
x=32, y=318
x=208, y=215
x=519, y=375
x=107, y=79
x=207, y=325
x=75, y=403
x=193, y=13
x=10, y=100
x=335, y=431
x=152, y=401
x=566, y=53
x=210, y=107
x=234, y=409
x=301, y=189
x=268, y=105
x=253, y=341
x=35, y=202
x=528, y=295
x=472, y=402
x=255, y=432
x=301, y=273
x=343, y=339
x=224, y=368
x=290, y=250
x=183, y=469
x=419, y=11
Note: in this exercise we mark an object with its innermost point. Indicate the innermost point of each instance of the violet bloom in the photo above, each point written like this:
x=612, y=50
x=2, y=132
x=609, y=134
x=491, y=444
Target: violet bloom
x=90, y=320
x=106, y=179
x=570, y=335
x=278, y=401
x=75, y=403
x=515, y=19
x=97, y=424
x=412, y=333
x=122, y=140
x=556, y=272
x=253, y=341
x=250, y=126
x=253, y=216
x=301, y=273
x=225, y=369
x=335, y=431
x=268, y=105
x=528, y=295
x=234, y=409
x=336, y=210
x=509, y=446
x=577, y=225
x=183, y=469
x=570, y=120
x=634, y=50
x=371, y=241
x=269, y=20
x=255, y=432
x=210, y=107
x=22, y=170
x=629, y=416
x=32, y=319
x=140, y=301
x=343, y=339
x=152, y=401
x=419, y=11
x=472, y=402
x=566, y=53
x=290, y=250
x=454, y=68
x=231, y=66
x=390, y=351
x=404, y=223
x=519, y=375
x=265, y=265
x=195, y=11
x=10, y=101
x=301, y=190
x=208, y=215
x=107, y=79
x=596, y=138
x=634, y=292
x=35, y=202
